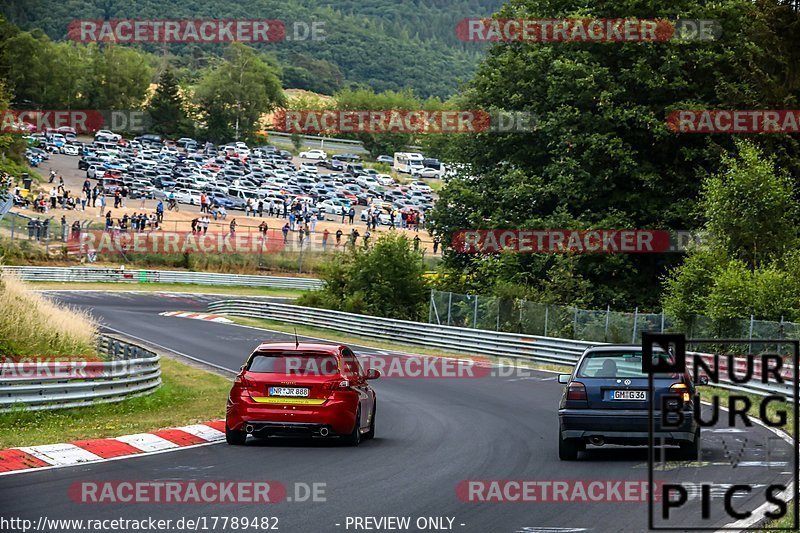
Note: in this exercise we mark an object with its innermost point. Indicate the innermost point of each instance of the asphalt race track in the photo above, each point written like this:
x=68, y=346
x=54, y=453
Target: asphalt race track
x=431, y=435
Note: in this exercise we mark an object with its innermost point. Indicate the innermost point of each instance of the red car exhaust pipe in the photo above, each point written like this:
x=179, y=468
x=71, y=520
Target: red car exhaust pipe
x=324, y=432
x=249, y=428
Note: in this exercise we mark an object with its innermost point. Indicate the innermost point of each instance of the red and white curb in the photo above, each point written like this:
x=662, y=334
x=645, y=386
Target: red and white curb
x=15, y=460
x=197, y=316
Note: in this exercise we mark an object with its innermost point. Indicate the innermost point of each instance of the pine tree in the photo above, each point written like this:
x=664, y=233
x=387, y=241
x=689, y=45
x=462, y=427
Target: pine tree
x=167, y=108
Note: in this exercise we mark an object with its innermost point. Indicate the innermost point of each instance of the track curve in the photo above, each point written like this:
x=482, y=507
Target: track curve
x=431, y=435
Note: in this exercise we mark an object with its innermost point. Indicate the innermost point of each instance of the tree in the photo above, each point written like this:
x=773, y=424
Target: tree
x=600, y=151
x=385, y=280
x=297, y=141
x=367, y=100
x=118, y=77
x=748, y=263
x=12, y=145
x=167, y=108
x=749, y=207
x=31, y=63
x=236, y=91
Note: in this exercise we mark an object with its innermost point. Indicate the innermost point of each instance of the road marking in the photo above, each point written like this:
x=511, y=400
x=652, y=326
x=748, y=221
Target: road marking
x=49, y=456
x=196, y=316
x=147, y=442
x=61, y=454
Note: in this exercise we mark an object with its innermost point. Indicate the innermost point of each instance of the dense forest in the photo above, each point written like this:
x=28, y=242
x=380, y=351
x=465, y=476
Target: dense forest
x=383, y=44
x=602, y=155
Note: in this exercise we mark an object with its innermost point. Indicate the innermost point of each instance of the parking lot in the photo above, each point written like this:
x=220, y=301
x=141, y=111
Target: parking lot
x=143, y=174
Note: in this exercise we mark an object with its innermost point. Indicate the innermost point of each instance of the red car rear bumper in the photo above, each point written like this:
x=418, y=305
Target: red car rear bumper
x=337, y=415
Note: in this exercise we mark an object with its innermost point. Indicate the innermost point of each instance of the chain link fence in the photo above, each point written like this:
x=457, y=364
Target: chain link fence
x=567, y=322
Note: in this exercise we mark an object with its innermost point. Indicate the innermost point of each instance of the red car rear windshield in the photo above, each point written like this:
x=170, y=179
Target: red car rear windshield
x=297, y=363
x=616, y=365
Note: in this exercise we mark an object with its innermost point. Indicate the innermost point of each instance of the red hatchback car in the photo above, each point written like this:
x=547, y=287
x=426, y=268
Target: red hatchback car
x=303, y=389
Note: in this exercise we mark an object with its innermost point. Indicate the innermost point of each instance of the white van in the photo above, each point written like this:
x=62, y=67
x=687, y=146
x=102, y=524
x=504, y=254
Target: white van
x=408, y=162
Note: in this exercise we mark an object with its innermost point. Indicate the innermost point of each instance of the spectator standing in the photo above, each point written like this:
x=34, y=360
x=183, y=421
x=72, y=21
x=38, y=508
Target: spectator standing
x=325, y=235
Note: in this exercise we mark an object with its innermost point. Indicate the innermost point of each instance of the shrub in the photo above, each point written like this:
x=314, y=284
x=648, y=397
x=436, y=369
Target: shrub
x=386, y=280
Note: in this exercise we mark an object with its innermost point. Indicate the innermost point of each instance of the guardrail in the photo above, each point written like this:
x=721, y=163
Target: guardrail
x=45, y=385
x=453, y=339
x=463, y=340
x=81, y=274
x=6, y=205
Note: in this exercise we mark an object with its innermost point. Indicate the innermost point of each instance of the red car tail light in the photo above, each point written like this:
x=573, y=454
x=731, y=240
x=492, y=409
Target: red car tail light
x=681, y=388
x=576, y=391
x=243, y=382
x=336, y=385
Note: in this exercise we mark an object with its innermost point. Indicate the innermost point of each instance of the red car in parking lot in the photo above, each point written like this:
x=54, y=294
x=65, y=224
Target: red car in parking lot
x=302, y=389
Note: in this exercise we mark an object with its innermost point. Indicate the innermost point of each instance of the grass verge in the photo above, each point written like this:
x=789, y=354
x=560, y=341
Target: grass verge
x=33, y=326
x=188, y=395
x=167, y=287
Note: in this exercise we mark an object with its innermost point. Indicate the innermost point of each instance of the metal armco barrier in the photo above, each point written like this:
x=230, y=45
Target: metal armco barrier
x=454, y=339
x=130, y=371
x=465, y=340
x=5, y=205
x=81, y=274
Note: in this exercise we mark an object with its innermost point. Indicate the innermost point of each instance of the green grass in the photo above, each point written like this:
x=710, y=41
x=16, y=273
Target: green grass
x=187, y=396
x=167, y=287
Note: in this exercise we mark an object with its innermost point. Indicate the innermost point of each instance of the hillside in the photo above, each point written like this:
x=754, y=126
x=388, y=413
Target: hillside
x=386, y=44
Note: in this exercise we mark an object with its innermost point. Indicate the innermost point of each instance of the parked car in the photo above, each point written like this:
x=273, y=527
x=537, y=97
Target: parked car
x=426, y=173
x=70, y=149
x=308, y=167
x=420, y=186
x=313, y=154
